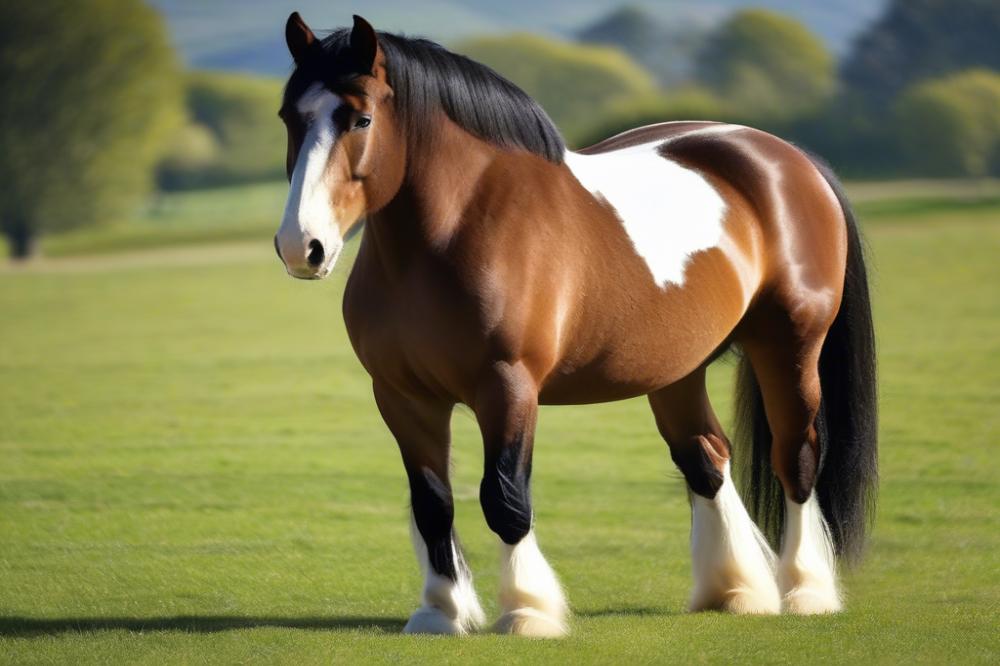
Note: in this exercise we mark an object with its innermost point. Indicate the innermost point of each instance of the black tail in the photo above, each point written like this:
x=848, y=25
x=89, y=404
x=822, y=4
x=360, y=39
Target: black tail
x=847, y=423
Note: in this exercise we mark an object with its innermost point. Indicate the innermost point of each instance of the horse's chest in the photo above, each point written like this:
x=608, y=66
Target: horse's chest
x=410, y=335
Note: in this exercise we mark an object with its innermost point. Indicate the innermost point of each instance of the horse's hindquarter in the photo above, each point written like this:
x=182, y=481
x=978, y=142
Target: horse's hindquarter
x=801, y=231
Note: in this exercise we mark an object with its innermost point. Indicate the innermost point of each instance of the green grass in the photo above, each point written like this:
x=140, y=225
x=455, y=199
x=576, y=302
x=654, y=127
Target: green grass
x=192, y=470
x=242, y=212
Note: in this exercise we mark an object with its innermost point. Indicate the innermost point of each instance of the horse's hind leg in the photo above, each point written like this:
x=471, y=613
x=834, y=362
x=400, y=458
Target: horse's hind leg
x=732, y=564
x=421, y=428
x=787, y=369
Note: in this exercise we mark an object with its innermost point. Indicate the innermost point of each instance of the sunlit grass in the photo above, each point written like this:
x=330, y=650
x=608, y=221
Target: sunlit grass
x=193, y=470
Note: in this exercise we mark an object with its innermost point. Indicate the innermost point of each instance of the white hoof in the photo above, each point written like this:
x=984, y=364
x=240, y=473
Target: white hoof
x=807, y=572
x=812, y=601
x=432, y=621
x=732, y=564
x=530, y=622
x=448, y=606
x=530, y=595
x=740, y=601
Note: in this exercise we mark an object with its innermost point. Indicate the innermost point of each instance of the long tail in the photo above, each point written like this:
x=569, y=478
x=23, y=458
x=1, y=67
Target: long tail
x=847, y=423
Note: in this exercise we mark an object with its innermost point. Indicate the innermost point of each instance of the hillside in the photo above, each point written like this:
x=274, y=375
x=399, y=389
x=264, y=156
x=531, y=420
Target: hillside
x=246, y=35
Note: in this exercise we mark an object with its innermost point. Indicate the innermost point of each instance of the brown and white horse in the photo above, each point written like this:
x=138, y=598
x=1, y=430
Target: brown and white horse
x=500, y=271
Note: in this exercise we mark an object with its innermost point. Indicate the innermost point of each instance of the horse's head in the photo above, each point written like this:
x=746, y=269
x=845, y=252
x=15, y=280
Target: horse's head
x=345, y=152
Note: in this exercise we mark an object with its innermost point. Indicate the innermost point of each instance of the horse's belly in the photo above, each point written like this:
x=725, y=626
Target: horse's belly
x=661, y=337
x=623, y=372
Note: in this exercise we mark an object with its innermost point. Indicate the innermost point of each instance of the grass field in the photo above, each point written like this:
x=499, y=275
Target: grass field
x=193, y=470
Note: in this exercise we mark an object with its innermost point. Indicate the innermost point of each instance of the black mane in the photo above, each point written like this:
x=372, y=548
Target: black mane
x=426, y=77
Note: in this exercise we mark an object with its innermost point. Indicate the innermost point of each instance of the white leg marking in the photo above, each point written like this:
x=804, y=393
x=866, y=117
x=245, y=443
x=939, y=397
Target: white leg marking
x=531, y=597
x=732, y=563
x=807, y=570
x=447, y=607
x=668, y=211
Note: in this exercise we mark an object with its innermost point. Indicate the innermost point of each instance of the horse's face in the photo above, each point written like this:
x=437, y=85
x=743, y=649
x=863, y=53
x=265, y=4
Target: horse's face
x=344, y=154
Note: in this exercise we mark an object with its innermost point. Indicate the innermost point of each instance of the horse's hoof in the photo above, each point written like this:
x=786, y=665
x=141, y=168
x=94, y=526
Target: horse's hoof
x=741, y=602
x=812, y=601
x=530, y=622
x=432, y=621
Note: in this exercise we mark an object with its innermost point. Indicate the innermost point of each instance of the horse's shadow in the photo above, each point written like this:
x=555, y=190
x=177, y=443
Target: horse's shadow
x=13, y=626
x=19, y=626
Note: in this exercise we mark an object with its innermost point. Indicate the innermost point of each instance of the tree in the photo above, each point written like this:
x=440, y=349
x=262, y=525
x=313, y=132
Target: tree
x=920, y=39
x=666, y=51
x=767, y=64
x=572, y=82
x=951, y=126
x=688, y=103
x=233, y=134
x=90, y=92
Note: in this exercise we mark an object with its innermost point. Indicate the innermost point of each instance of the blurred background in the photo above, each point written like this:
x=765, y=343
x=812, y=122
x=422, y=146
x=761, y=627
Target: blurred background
x=135, y=124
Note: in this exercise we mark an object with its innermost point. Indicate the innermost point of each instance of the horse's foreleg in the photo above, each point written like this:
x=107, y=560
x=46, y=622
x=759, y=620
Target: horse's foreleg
x=732, y=564
x=531, y=598
x=422, y=430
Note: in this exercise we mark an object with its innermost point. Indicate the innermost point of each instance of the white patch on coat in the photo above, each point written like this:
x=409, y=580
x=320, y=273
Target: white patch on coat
x=668, y=211
x=732, y=563
x=807, y=569
x=447, y=607
x=530, y=594
x=308, y=210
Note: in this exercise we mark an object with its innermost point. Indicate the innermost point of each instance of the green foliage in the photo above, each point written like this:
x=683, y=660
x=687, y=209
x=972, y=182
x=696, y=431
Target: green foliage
x=233, y=134
x=767, y=64
x=921, y=39
x=572, y=82
x=90, y=93
x=667, y=51
x=689, y=103
x=951, y=126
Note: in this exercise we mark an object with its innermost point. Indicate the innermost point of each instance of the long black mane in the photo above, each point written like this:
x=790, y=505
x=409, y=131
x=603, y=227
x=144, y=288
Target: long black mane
x=425, y=77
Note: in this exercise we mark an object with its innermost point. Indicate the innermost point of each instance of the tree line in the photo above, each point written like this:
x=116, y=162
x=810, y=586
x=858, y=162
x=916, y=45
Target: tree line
x=96, y=112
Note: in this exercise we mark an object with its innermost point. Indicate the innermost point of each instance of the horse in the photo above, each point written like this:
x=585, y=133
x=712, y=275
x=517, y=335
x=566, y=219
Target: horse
x=501, y=271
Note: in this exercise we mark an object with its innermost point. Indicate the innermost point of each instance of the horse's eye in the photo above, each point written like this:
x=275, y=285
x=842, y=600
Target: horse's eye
x=362, y=122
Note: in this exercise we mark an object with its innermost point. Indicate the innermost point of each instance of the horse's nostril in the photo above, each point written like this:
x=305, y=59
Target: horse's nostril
x=316, y=255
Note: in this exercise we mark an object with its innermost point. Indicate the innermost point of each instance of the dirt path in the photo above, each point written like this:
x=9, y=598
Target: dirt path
x=189, y=255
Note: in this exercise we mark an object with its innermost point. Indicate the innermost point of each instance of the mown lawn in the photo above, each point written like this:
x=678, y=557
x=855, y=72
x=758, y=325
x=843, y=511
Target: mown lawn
x=192, y=470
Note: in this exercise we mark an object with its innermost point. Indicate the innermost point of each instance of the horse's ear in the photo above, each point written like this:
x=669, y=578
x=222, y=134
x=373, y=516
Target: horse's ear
x=300, y=39
x=364, y=44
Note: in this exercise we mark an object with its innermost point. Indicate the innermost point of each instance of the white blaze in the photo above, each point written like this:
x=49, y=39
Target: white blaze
x=308, y=212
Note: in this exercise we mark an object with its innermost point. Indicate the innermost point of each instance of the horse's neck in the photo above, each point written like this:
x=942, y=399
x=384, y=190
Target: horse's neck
x=438, y=188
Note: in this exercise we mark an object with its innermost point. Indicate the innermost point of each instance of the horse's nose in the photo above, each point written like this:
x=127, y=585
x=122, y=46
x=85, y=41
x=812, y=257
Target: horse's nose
x=277, y=250
x=316, y=253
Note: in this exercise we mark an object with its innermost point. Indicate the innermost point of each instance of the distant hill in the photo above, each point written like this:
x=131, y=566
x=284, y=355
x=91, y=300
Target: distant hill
x=665, y=49
x=246, y=35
